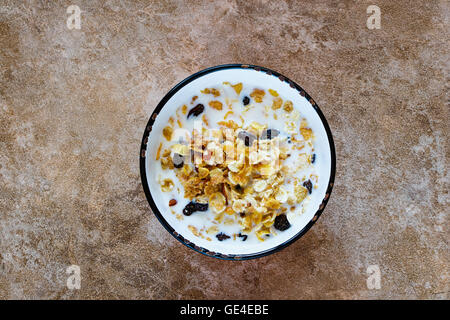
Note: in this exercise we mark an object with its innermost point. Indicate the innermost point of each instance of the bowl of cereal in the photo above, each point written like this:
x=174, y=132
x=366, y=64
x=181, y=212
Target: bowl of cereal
x=237, y=161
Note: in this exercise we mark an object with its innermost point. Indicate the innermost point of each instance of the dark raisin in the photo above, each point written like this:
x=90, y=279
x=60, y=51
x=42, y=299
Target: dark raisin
x=313, y=158
x=243, y=236
x=281, y=222
x=201, y=206
x=238, y=188
x=189, y=209
x=242, y=214
x=195, y=111
x=192, y=207
x=247, y=137
x=172, y=202
x=246, y=101
x=222, y=236
x=308, y=185
x=269, y=134
x=178, y=160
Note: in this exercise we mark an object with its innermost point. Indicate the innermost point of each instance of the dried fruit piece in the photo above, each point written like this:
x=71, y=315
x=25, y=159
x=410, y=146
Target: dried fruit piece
x=281, y=223
x=216, y=104
x=269, y=134
x=246, y=101
x=190, y=208
x=308, y=185
x=243, y=236
x=178, y=160
x=313, y=159
x=247, y=137
x=198, y=109
x=201, y=206
x=172, y=202
x=222, y=236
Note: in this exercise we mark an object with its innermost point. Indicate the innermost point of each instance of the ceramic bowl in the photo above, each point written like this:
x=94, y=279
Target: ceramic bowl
x=253, y=75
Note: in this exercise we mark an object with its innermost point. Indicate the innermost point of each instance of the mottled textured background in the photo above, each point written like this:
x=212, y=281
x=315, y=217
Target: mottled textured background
x=74, y=104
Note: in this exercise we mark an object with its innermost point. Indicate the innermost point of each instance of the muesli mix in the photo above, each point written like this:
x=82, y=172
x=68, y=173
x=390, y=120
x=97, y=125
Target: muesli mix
x=241, y=158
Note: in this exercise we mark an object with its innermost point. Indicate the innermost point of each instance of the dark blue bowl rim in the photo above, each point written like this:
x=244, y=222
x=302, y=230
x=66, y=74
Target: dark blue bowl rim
x=142, y=161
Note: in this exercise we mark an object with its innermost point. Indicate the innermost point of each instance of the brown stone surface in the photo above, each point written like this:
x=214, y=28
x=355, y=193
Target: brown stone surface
x=74, y=104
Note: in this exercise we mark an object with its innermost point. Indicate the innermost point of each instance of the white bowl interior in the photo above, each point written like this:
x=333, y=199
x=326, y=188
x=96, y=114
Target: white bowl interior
x=253, y=78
